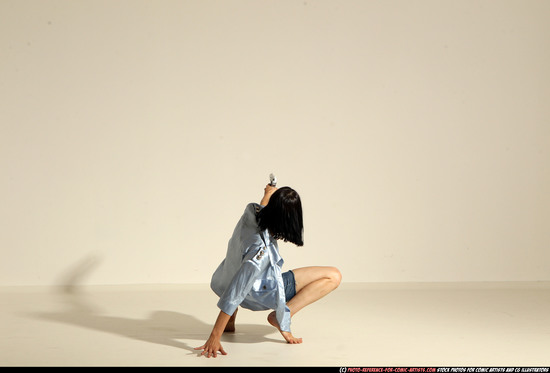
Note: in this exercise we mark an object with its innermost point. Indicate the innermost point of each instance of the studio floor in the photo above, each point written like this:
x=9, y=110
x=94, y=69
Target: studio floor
x=359, y=324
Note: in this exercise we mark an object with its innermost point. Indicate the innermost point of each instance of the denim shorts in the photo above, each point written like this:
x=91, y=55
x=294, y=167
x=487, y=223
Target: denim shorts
x=290, y=285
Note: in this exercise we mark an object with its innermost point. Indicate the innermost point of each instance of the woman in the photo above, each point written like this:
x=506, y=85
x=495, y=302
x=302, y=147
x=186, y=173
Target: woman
x=250, y=275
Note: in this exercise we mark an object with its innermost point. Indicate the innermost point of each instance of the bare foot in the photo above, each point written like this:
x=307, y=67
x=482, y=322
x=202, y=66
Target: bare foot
x=272, y=319
x=230, y=327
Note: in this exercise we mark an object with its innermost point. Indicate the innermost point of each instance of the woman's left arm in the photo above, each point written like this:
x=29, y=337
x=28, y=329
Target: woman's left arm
x=213, y=345
x=255, y=263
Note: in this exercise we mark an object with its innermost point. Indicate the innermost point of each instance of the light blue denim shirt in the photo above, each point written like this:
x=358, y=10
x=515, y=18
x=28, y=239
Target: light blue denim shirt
x=250, y=274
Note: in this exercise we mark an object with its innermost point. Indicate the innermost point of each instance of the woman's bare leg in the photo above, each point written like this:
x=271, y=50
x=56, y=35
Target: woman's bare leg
x=272, y=319
x=312, y=283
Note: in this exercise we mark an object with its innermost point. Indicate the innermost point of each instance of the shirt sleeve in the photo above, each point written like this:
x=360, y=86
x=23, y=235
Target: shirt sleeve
x=254, y=264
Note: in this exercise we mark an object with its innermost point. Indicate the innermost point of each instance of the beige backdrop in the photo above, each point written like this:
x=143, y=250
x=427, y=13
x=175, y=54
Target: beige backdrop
x=133, y=134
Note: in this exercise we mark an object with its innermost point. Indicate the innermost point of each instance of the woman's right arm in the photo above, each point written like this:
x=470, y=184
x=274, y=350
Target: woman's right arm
x=268, y=191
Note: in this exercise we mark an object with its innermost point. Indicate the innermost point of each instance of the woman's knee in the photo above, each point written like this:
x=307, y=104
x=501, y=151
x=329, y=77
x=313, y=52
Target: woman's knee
x=335, y=275
x=306, y=275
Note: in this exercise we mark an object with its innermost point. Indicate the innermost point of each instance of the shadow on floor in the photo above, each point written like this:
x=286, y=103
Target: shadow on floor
x=161, y=327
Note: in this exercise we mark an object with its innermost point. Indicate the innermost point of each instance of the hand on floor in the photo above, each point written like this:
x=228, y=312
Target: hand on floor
x=211, y=347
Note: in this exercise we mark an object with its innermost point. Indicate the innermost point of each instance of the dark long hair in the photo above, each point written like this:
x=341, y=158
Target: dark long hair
x=283, y=216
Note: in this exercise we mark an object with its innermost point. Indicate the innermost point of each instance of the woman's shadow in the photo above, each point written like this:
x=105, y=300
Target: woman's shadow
x=161, y=327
